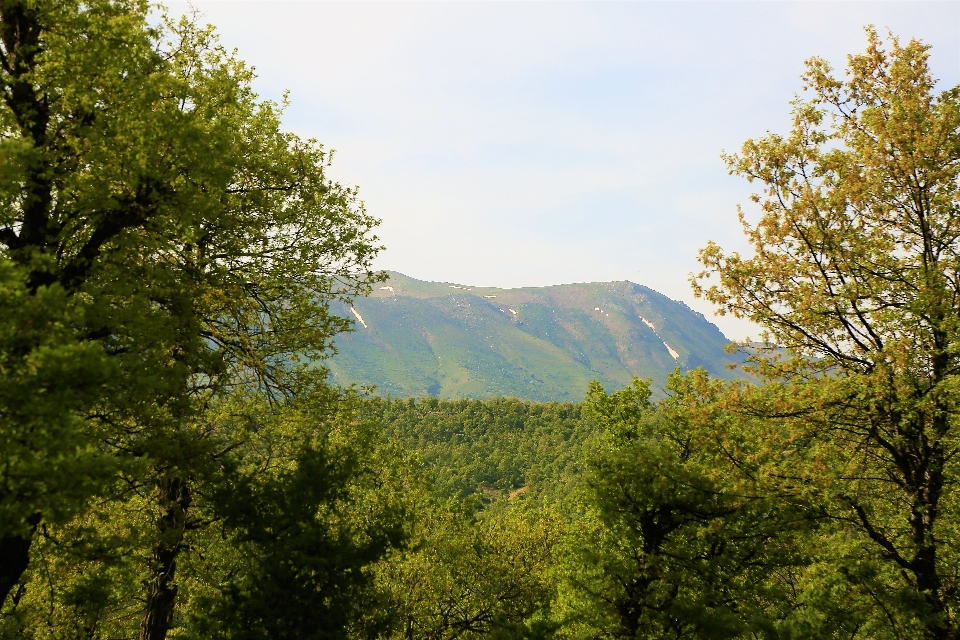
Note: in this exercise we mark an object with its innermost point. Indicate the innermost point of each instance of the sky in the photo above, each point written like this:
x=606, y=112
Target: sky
x=514, y=144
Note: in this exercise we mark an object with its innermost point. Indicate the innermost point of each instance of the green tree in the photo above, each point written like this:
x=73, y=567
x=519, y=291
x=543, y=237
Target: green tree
x=676, y=542
x=484, y=547
x=470, y=575
x=303, y=524
x=189, y=248
x=278, y=543
x=855, y=278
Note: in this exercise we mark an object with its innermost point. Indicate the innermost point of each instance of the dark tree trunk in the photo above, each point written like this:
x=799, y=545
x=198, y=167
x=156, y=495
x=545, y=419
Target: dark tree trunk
x=162, y=588
x=14, y=557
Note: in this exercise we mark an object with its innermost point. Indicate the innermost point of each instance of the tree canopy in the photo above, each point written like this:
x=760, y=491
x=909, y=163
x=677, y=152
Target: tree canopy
x=163, y=243
x=855, y=278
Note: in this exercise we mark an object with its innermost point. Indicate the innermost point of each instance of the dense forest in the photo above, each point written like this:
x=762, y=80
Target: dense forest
x=175, y=463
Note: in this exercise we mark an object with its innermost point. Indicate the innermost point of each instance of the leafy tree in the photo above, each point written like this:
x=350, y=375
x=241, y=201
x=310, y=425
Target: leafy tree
x=483, y=544
x=302, y=527
x=278, y=543
x=676, y=542
x=471, y=575
x=184, y=246
x=855, y=279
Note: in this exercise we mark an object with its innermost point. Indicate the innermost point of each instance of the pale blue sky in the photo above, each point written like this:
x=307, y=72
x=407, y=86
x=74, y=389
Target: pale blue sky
x=527, y=143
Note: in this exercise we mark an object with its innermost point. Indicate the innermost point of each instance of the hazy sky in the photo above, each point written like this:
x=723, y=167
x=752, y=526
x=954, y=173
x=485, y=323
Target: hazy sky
x=531, y=143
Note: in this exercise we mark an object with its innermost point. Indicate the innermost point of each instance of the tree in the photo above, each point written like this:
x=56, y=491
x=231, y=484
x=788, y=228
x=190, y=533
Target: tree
x=301, y=519
x=471, y=575
x=855, y=278
x=676, y=542
x=189, y=246
x=278, y=542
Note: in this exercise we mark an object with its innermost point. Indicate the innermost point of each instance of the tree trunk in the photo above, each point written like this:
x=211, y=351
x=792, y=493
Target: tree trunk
x=14, y=557
x=162, y=588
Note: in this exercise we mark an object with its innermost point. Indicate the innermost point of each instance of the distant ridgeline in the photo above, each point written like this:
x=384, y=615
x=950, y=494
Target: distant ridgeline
x=416, y=338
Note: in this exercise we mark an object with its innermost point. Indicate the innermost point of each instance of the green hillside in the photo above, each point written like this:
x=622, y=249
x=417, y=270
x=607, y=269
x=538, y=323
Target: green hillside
x=416, y=338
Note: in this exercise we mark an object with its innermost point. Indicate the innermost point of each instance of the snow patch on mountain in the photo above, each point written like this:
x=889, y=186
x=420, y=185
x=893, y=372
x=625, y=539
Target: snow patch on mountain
x=354, y=311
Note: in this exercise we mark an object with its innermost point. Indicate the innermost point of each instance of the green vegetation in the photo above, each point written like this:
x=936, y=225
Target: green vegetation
x=167, y=251
x=498, y=446
x=855, y=273
x=542, y=344
x=174, y=462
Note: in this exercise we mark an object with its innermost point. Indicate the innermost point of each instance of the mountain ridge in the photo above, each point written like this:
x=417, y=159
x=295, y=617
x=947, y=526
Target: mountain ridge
x=418, y=338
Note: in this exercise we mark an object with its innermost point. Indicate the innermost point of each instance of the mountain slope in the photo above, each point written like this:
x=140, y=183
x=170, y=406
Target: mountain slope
x=416, y=338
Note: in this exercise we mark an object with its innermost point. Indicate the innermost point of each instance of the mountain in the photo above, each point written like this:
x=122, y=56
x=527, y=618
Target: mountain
x=416, y=338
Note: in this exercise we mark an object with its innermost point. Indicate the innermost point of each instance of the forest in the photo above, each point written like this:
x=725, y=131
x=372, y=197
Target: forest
x=175, y=463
